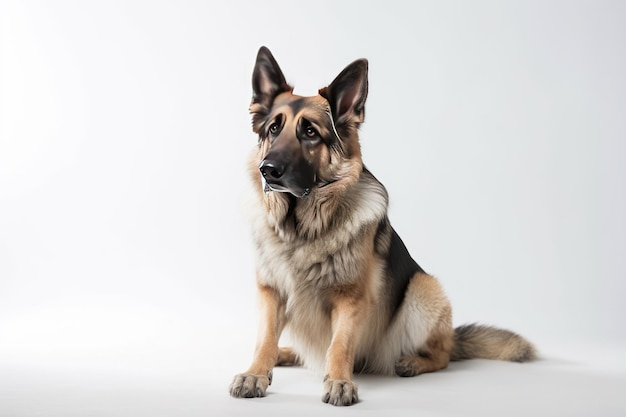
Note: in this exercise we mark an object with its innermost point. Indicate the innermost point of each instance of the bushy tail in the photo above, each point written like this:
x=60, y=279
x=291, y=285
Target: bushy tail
x=473, y=341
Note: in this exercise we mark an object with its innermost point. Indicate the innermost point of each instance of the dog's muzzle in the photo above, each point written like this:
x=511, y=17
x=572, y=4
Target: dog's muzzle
x=277, y=176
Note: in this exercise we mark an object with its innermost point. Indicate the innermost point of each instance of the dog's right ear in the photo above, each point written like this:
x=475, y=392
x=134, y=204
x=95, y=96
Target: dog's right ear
x=268, y=81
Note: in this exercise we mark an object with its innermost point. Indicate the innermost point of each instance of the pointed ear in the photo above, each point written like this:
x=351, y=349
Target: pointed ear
x=267, y=79
x=347, y=93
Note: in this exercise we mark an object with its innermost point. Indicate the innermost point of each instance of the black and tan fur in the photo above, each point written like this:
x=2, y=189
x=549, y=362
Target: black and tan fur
x=329, y=265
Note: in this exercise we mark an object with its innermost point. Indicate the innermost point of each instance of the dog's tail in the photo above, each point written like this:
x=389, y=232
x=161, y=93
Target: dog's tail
x=473, y=341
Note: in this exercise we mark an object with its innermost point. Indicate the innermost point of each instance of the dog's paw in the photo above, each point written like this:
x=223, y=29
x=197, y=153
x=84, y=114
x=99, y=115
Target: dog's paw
x=340, y=392
x=407, y=366
x=249, y=386
x=287, y=357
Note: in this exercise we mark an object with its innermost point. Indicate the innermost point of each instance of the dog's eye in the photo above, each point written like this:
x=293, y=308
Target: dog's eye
x=273, y=128
x=310, y=131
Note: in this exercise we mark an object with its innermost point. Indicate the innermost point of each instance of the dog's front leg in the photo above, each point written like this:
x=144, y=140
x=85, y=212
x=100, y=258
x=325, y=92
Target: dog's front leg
x=346, y=321
x=254, y=382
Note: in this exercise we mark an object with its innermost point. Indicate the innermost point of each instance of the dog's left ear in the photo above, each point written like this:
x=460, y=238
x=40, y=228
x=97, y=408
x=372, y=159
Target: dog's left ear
x=267, y=79
x=347, y=93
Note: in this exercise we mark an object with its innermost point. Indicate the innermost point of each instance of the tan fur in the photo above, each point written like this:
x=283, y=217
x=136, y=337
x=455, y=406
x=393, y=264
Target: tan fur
x=326, y=263
x=434, y=354
x=486, y=342
x=256, y=379
x=287, y=357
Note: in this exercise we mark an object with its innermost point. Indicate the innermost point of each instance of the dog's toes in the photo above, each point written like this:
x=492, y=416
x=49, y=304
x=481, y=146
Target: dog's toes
x=249, y=386
x=340, y=392
x=406, y=366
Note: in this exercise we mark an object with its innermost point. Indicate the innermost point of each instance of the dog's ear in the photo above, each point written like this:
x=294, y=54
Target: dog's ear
x=268, y=81
x=347, y=93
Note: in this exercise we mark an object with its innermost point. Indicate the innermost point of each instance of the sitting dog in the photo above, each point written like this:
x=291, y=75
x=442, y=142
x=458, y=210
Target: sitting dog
x=330, y=267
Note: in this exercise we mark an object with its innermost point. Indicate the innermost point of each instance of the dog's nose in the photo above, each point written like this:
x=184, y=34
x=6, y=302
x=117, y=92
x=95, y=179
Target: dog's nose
x=272, y=171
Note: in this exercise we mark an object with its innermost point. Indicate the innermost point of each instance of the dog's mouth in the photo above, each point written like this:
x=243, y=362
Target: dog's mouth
x=279, y=188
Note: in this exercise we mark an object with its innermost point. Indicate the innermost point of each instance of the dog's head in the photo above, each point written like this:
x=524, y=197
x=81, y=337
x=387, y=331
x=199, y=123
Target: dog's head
x=304, y=141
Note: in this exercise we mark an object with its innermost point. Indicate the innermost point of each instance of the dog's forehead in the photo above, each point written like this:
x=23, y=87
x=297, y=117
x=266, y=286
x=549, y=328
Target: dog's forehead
x=294, y=104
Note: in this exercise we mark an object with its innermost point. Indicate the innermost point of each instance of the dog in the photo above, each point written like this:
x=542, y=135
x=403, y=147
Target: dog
x=330, y=267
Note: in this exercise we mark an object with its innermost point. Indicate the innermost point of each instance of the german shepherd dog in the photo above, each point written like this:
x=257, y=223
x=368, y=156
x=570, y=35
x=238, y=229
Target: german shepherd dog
x=330, y=267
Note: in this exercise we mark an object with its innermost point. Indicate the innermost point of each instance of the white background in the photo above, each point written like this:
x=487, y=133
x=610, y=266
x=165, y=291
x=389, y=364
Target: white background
x=126, y=274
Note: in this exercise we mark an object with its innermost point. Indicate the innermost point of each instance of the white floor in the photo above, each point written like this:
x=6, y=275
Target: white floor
x=549, y=387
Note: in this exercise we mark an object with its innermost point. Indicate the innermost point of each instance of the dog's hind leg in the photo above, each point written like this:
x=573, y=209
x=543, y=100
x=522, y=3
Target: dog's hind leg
x=435, y=355
x=429, y=305
x=254, y=382
x=287, y=357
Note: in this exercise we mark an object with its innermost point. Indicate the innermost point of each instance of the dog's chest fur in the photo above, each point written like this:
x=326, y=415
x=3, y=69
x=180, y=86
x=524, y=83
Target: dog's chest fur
x=305, y=266
x=293, y=251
